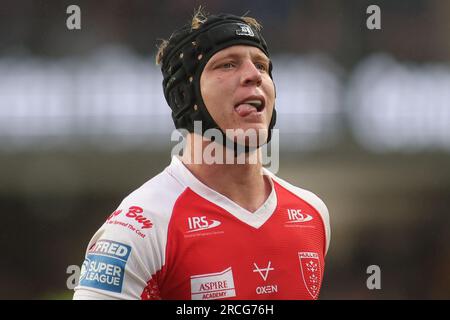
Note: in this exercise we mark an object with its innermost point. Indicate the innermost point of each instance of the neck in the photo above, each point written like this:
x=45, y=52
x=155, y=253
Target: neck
x=243, y=183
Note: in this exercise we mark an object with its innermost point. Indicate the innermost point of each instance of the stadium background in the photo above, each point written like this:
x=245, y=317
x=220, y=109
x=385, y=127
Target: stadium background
x=364, y=121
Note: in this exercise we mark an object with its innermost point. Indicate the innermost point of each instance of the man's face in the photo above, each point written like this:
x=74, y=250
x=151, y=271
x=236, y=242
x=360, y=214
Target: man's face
x=237, y=89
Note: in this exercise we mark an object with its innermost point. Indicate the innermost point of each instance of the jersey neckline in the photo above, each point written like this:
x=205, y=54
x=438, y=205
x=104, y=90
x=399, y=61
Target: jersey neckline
x=256, y=219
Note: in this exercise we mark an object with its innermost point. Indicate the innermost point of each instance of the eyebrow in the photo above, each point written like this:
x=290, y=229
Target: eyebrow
x=257, y=56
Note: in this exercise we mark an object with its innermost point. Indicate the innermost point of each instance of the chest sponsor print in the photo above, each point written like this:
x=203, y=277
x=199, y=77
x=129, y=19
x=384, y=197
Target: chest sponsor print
x=213, y=286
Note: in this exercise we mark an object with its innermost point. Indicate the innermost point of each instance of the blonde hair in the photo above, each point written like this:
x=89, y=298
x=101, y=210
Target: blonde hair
x=199, y=18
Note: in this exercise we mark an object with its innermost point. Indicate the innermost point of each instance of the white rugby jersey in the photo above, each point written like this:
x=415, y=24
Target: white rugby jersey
x=176, y=238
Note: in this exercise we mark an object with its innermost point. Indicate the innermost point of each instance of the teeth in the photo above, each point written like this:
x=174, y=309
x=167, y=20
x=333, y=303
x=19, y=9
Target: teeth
x=255, y=103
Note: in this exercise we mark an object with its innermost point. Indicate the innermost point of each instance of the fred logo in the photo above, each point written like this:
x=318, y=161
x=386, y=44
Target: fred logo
x=104, y=266
x=244, y=30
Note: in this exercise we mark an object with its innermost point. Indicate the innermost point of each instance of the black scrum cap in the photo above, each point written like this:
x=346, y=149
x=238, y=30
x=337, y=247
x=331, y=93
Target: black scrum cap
x=185, y=57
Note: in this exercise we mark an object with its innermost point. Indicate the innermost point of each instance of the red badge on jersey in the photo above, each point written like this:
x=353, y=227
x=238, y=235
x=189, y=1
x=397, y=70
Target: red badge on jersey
x=311, y=272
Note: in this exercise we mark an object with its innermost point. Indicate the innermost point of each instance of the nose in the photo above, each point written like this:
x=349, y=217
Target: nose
x=250, y=74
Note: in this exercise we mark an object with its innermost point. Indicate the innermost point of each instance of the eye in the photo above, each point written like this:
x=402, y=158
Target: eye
x=227, y=65
x=262, y=66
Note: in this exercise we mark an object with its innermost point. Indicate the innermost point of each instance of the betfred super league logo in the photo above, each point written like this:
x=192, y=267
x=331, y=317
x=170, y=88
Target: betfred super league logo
x=311, y=272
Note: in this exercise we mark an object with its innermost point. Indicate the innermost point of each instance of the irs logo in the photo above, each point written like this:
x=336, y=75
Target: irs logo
x=297, y=216
x=196, y=224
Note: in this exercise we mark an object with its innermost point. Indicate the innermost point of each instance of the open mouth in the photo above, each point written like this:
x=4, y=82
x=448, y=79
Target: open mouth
x=249, y=106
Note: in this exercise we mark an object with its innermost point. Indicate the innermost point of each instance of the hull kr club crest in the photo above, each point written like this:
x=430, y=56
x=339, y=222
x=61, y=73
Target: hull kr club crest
x=311, y=272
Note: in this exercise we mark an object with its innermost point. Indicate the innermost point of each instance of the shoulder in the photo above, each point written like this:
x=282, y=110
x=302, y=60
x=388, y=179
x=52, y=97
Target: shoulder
x=157, y=196
x=305, y=195
x=131, y=244
x=312, y=199
x=142, y=217
x=148, y=209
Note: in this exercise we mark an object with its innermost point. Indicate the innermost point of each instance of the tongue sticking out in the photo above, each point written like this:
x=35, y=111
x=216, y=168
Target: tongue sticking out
x=245, y=109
